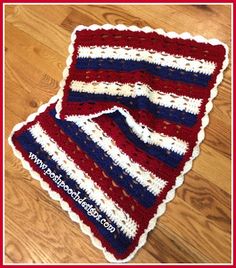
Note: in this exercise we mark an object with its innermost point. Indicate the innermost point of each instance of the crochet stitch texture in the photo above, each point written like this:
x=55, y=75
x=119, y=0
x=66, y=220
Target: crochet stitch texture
x=115, y=142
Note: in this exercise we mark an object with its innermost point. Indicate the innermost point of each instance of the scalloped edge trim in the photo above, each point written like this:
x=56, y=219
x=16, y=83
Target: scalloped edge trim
x=179, y=180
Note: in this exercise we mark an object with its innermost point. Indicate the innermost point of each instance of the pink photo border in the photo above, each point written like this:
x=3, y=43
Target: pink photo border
x=3, y=130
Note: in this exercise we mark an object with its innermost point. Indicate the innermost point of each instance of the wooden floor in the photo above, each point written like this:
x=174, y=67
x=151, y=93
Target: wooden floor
x=196, y=226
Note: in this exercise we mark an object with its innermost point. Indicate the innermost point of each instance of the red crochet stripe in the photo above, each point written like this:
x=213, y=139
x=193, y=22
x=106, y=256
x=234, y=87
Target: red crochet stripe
x=154, y=41
x=106, y=183
x=83, y=108
x=155, y=82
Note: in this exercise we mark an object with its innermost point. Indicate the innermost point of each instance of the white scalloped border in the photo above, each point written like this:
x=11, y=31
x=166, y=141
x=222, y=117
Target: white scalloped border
x=179, y=180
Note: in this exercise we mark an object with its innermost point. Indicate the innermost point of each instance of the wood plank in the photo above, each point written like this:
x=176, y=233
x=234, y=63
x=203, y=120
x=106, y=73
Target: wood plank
x=196, y=228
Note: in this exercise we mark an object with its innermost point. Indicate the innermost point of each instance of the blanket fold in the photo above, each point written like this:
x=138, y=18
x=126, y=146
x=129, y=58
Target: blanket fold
x=116, y=141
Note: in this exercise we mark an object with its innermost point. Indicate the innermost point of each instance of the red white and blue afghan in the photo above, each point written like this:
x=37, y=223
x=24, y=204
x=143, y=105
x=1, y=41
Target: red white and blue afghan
x=116, y=141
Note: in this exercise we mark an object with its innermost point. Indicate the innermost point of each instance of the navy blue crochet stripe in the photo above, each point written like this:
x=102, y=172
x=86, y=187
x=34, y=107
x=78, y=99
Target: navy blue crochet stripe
x=30, y=145
x=131, y=65
x=168, y=157
x=104, y=161
x=140, y=102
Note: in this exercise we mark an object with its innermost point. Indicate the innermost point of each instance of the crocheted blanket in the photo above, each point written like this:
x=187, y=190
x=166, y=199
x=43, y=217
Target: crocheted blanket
x=115, y=142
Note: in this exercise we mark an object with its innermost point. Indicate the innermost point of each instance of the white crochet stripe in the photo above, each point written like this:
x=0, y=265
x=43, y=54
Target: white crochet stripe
x=146, y=178
x=116, y=214
x=161, y=58
x=171, y=143
x=169, y=100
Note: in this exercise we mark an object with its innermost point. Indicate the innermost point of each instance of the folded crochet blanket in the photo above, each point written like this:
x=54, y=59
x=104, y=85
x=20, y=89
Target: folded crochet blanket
x=116, y=141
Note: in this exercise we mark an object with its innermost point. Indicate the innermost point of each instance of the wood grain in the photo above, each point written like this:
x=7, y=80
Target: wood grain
x=196, y=227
